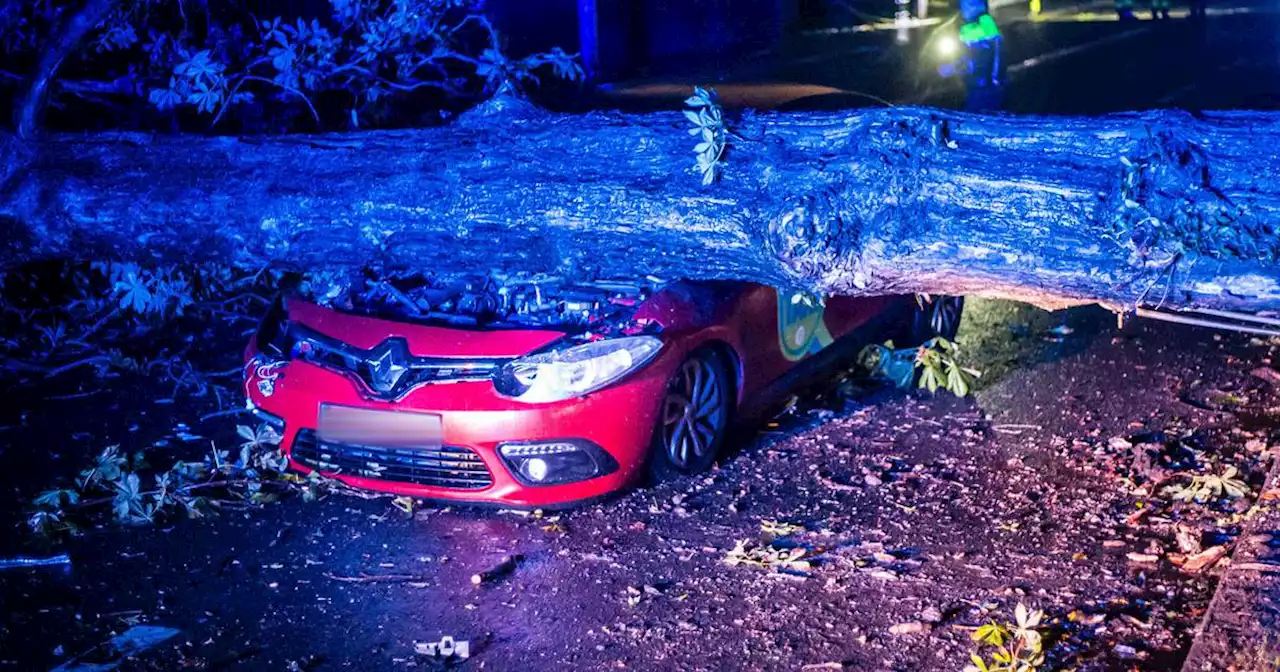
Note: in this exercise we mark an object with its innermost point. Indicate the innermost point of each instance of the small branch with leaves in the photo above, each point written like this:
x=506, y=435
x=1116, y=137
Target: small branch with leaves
x=938, y=362
x=254, y=475
x=712, y=134
x=1210, y=487
x=1009, y=647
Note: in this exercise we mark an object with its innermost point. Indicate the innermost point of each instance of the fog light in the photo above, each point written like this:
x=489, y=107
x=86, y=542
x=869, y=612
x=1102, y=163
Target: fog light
x=555, y=462
x=535, y=469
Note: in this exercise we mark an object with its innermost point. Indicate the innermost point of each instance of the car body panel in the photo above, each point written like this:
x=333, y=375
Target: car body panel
x=424, y=340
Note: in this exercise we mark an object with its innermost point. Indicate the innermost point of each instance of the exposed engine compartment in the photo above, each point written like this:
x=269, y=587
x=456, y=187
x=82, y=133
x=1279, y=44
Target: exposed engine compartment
x=492, y=300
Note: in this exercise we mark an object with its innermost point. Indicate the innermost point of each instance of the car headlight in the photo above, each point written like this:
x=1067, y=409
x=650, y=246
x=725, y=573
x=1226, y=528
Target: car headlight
x=572, y=372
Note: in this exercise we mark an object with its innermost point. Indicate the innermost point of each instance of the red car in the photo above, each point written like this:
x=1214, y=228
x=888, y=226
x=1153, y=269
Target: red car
x=533, y=395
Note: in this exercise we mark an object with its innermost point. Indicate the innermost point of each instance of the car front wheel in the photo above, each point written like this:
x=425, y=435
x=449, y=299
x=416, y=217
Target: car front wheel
x=693, y=418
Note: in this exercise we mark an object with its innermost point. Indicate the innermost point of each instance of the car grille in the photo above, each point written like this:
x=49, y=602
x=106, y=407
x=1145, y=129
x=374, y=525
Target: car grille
x=361, y=364
x=444, y=467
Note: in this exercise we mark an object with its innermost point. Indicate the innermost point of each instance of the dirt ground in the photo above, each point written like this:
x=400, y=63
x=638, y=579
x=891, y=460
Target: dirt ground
x=920, y=516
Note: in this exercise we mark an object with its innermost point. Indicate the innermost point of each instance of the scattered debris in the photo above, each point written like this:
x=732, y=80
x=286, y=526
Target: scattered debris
x=909, y=628
x=1200, y=561
x=779, y=529
x=446, y=647
x=1267, y=373
x=1210, y=486
x=1012, y=647
x=838, y=487
x=19, y=562
x=1187, y=538
x=254, y=474
x=939, y=363
x=1015, y=429
x=111, y=654
x=379, y=578
x=405, y=504
x=747, y=553
x=931, y=615
x=504, y=567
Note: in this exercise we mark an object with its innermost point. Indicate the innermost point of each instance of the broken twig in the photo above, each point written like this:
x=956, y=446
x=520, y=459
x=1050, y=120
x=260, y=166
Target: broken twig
x=376, y=578
x=503, y=568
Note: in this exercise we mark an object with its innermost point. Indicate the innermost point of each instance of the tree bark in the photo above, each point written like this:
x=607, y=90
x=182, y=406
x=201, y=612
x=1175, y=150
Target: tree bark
x=1158, y=208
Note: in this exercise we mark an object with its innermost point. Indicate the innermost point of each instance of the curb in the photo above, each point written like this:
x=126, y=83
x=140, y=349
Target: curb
x=1253, y=580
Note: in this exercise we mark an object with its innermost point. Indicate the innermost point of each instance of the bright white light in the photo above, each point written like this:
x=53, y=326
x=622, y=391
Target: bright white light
x=536, y=469
x=948, y=46
x=573, y=372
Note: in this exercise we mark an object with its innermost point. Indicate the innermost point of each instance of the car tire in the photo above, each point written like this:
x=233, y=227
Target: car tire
x=940, y=316
x=693, y=417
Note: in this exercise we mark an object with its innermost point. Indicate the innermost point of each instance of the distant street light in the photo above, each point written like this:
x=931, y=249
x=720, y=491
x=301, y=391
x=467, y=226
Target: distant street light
x=948, y=46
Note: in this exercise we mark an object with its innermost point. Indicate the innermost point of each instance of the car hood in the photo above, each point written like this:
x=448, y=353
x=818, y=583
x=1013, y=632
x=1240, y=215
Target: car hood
x=423, y=340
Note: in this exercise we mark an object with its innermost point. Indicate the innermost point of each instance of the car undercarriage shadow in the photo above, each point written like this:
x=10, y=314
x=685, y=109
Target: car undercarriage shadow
x=844, y=393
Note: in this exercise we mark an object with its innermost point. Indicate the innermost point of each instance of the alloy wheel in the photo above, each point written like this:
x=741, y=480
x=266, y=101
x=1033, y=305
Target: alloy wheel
x=944, y=315
x=693, y=414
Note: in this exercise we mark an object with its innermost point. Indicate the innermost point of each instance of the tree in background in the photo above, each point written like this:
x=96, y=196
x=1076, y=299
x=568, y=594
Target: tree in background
x=197, y=65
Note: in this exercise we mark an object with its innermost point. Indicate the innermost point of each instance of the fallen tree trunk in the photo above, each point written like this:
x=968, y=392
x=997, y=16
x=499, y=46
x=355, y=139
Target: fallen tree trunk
x=1140, y=209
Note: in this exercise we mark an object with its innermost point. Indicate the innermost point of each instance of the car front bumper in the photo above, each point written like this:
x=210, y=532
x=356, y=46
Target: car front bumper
x=619, y=419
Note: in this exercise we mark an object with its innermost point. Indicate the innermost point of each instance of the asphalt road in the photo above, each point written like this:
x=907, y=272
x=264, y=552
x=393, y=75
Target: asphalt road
x=1074, y=58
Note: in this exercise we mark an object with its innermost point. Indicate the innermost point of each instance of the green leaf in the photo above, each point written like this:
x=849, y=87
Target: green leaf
x=991, y=633
x=929, y=379
x=57, y=498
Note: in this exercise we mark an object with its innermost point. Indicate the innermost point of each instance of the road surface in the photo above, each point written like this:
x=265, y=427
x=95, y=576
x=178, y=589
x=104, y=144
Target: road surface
x=1072, y=59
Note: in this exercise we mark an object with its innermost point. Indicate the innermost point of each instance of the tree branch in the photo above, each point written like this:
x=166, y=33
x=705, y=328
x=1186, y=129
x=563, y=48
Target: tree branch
x=62, y=43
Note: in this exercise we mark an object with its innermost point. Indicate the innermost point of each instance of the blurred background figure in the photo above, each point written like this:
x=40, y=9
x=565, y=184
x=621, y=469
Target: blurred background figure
x=974, y=55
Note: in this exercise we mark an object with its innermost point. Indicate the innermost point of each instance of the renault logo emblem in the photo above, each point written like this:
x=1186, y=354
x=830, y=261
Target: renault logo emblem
x=386, y=365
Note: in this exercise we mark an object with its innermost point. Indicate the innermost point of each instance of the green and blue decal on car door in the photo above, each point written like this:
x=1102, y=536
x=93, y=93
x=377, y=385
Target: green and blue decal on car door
x=801, y=328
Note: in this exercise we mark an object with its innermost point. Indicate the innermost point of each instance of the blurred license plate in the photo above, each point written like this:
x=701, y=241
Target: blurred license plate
x=392, y=429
